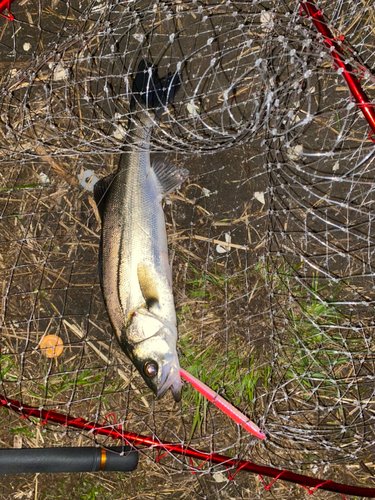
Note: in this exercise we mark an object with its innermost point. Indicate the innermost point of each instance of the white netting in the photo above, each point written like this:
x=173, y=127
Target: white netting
x=272, y=237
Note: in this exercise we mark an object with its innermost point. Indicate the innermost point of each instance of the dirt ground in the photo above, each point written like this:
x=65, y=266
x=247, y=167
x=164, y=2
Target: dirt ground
x=271, y=246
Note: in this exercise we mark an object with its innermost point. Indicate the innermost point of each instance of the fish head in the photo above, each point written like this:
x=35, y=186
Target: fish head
x=154, y=354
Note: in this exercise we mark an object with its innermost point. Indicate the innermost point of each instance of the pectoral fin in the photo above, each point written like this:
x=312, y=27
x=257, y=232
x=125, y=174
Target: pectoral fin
x=168, y=269
x=169, y=177
x=147, y=285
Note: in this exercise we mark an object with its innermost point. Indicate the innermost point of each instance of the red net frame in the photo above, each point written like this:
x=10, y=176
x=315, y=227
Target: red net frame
x=366, y=107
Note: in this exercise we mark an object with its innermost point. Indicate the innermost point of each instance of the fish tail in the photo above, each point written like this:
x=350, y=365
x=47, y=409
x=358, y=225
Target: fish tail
x=151, y=92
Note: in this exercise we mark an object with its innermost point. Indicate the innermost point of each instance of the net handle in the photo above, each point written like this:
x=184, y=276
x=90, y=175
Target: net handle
x=353, y=83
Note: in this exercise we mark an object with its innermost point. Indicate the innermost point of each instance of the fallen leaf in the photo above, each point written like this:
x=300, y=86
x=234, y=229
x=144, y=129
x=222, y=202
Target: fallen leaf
x=260, y=197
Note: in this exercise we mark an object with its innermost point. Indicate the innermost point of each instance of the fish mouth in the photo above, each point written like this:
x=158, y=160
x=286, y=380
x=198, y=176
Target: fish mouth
x=174, y=386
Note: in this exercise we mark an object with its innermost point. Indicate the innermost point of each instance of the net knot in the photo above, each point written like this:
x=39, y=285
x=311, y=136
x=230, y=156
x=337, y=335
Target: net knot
x=107, y=418
x=268, y=486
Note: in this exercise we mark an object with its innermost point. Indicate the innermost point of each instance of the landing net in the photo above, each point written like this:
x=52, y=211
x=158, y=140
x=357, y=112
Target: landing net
x=272, y=237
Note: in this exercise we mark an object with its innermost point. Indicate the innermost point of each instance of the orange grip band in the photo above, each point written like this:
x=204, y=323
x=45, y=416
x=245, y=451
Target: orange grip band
x=103, y=459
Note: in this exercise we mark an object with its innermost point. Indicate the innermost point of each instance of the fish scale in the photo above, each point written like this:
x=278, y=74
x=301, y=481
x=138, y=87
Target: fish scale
x=135, y=272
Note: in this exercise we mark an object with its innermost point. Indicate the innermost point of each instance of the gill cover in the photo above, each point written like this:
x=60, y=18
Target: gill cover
x=153, y=346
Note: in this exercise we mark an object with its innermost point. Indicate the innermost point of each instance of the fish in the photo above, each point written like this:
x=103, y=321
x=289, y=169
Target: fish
x=134, y=269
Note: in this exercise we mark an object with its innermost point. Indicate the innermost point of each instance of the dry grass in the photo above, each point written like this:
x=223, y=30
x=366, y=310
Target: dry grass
x=56, y=122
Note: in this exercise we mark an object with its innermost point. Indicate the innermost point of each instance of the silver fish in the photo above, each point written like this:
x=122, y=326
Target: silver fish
x=135, y=273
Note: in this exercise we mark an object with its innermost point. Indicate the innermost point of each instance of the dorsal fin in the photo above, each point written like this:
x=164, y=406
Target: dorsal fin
x=100, y=267
x=100, y=191
x=147, y=285
x=169, y=176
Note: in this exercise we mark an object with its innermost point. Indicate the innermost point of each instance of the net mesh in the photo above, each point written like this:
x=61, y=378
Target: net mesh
x=272, y=237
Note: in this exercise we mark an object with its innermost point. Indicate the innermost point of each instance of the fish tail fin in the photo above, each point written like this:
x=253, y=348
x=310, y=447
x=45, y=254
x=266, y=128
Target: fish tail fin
x=151, y=92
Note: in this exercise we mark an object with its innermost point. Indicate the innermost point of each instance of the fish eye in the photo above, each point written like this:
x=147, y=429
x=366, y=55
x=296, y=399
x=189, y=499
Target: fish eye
x=150, y=368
